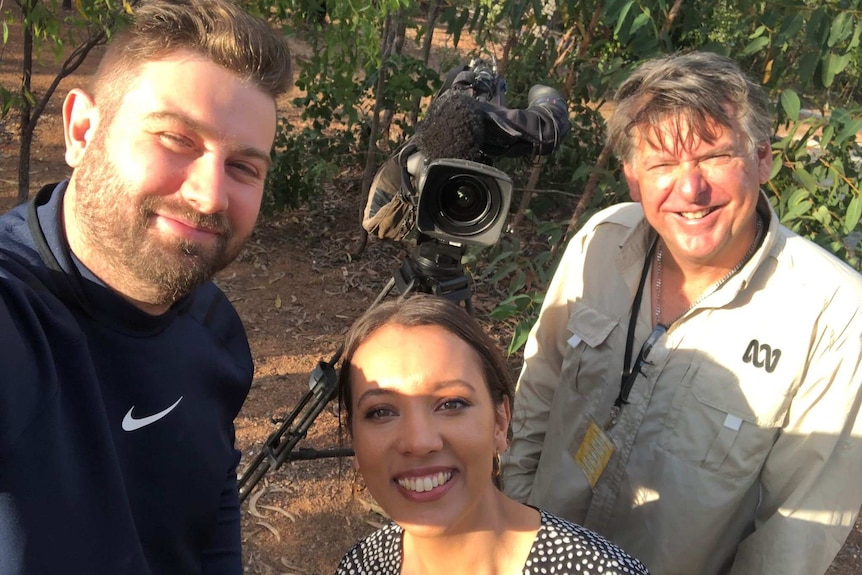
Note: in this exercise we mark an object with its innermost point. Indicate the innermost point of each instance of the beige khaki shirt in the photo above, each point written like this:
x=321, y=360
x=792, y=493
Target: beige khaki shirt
x=741, y=448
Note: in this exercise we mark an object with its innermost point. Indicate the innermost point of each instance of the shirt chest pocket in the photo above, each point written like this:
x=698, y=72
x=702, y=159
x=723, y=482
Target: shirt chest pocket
x=589, y=351
x=723, y=425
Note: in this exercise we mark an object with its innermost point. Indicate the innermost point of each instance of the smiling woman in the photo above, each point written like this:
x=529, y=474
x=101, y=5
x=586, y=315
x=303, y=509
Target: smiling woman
x=427, y=398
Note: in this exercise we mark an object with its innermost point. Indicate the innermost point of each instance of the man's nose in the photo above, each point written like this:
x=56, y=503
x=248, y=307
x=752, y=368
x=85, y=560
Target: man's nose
x=690, y=180
x=205, y=186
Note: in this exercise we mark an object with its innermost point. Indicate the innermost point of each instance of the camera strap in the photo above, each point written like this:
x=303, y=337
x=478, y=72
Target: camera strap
x=407, y=191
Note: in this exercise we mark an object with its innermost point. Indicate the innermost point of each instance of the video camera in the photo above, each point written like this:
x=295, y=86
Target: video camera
x=442, y=181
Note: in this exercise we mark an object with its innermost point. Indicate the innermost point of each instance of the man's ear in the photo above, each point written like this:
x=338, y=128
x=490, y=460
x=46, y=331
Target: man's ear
x=80, y=120
x=632, y=181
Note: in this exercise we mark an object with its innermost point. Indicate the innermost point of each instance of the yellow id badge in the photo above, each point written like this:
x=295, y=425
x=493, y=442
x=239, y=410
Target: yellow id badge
x=594, y=453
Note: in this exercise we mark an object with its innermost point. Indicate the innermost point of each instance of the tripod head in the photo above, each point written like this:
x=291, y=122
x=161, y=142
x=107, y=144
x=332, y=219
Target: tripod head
x=434, y=267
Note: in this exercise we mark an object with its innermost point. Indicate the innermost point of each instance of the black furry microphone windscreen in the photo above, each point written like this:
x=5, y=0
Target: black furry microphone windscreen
x=453, y=127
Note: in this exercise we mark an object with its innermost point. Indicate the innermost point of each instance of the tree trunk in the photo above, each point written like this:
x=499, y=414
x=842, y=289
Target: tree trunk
x=589, y=190
x=371, y=155
x=29, y=115
x=565, y=48
x=25, y=131
x=528, y=194
x=430, y=23
x=671, y=17
x=398, y=30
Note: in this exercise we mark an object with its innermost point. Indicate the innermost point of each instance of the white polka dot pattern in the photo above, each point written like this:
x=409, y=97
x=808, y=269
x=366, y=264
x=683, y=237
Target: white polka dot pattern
x=560, y=548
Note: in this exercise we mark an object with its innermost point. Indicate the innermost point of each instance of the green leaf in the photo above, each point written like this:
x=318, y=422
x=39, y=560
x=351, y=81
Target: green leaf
x=808, y=65
x=511, y=306
x=621, y=18
x=854, y=42
x=842, y=26
x=503, y=255
x=795, y=211
x=790, y=104
x=756, y=45
x=519, y=338
x=817, y=32
x=517, y=282
x=641, y=20
x=853, y=215
x=849, y=131
x=832, y=65
x=504, y=271
x=826, y=138
x=822, y=215
x=503, y=312
x=777, y=164
x=791, y=29
x=798, y=196
x=537, y=10
x=806, y=179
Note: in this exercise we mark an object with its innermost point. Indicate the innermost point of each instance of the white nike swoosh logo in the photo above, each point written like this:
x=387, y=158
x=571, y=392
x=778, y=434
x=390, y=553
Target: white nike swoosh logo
x=131, y=423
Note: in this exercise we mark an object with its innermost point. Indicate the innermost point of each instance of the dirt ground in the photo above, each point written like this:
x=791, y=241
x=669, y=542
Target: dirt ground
x=297, y=288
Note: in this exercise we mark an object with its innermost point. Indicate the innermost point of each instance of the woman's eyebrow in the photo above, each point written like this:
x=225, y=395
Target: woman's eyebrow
x=386, y=391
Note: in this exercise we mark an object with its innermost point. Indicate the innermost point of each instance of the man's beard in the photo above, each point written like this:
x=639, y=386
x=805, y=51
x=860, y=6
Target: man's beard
x=120, y=233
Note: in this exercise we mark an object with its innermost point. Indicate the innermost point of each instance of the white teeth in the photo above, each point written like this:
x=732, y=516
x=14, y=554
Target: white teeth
x=695, y=215
x=422, y=484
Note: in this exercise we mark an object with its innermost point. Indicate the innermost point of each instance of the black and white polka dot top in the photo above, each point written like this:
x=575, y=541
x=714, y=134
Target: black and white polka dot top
x=560, y=548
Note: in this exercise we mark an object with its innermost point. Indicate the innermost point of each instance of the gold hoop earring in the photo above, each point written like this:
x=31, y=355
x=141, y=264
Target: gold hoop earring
x=497, y=465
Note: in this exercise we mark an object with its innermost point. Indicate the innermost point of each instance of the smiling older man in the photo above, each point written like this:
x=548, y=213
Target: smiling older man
x=732, y=441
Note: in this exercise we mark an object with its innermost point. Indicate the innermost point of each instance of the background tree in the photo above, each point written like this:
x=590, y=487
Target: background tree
x=46, y=26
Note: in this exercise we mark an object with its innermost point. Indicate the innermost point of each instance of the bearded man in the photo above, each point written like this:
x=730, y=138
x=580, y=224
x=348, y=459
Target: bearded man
x=124, y=365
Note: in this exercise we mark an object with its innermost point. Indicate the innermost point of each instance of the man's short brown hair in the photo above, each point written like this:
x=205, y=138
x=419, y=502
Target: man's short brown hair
x=216, y=29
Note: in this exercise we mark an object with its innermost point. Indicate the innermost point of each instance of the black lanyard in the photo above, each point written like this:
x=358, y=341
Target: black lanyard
x=630, y=374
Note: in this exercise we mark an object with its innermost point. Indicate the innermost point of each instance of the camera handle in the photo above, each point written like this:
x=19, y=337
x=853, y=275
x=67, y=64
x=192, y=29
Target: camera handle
x=434, y=268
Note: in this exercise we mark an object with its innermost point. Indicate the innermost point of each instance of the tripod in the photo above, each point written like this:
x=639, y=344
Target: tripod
x=434, y=267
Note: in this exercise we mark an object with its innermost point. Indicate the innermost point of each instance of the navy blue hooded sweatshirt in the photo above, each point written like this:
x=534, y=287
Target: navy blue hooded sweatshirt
x=116, y=427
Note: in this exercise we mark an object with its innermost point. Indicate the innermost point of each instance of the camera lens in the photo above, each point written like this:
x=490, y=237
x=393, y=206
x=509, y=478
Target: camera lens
x=464, y=201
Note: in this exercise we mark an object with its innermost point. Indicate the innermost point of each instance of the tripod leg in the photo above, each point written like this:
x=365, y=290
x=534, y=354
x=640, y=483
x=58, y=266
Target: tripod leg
x=385, y=292
x=276, y=449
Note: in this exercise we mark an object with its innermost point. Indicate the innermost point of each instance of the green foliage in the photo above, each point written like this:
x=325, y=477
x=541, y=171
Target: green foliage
x=408, y=78
x=519, y=274
x=332, y=94
x=815, y=178
x=302, y=162
x=338, y=81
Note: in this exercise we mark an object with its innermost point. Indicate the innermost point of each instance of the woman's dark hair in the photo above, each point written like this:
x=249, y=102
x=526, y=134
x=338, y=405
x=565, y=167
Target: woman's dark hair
x=427, y=310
